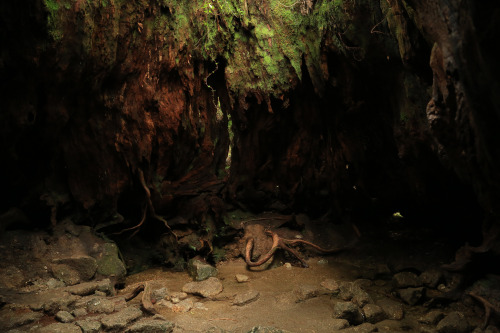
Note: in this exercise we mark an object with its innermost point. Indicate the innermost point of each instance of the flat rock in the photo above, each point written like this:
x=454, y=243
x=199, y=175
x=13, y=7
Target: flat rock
x=348, y=311
x=181, y=306
x=10, y=319
x=305, y=292
x=60, y=328
x=101, y=305
x=454, y=322
x=431, y=318
x=246, y=298
x=363, y=328
x=64, y=317
x=346, y=291
x=331, y=285
x=338, y=324
x=119, y=320
x=52, y=301
x=361, y=297
x=406, y=279
x=85, y=266
x=207, y=288
x=65, y=273
x=393, y=309
x=178, y=296
x=431, y=278
x=89, y=326
x=374, y=313
x=391, y=325
x=80, y=312
x=151, y=326
x=87, y=288
x=411, y=296
x=200, y=270
x=242, y=278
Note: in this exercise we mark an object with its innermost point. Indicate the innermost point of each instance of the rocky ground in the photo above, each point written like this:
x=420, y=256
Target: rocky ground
x=65, y=281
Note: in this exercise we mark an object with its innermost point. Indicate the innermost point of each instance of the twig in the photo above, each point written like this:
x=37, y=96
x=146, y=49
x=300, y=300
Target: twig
x=487, y=307
x=373, y=31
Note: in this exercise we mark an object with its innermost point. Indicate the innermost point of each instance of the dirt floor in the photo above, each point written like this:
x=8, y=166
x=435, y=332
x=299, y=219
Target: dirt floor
x=391, y=280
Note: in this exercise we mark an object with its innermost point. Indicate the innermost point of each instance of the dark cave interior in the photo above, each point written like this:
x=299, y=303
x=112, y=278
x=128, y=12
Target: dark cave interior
x=122, y=124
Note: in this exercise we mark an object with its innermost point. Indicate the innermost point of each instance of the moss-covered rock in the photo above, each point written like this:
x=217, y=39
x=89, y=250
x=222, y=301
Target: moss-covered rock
x=109, y=262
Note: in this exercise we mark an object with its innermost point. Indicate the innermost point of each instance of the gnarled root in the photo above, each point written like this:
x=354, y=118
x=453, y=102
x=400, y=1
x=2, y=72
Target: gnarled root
x=285, y=244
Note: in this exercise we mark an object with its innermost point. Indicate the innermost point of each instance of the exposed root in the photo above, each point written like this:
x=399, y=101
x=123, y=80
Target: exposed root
x=150, y=208
x=146, y=302
x=487, y=307
x=284, y=244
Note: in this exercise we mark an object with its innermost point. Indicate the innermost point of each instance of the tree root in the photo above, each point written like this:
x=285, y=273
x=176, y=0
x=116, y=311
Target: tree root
x=487, y=307
x=146, y=302
x=284, y=244
x=150, y=208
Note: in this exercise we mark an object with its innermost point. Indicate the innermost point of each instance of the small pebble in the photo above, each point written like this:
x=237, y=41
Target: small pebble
x=288, y=265
x=241, y=278
x=323, y=261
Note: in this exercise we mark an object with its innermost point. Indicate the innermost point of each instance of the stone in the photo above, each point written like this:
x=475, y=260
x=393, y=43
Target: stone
x=246, y=298
x=180, y=306
x=65, y=274
x=207, y=288
x=64, y=317
x=391, y=325
x=361, y=297
x=242, y=278
x=454, y=322
x=151, y=326
x=178, y=296
x=362, y=283
x=101, y=305
x=200, y=270
x=109, y=262
x=406, y=279
x=393, y=309
x=305, y=292
x=348, y=311
x=431, y=318
x=346, y=292
x=120, y=319
x=331, y=285
x=183, y=306
x=89, y=326
x=53, y=301
x=54, y=283
x=85, y=266
x=60, y=328
x=87, y=288
x=411, y=296
x=339, y=324
x=363, y=328
x=159, y=294
x=10, y=319
x=79, y=312
x=374, y=313
x=431, y=278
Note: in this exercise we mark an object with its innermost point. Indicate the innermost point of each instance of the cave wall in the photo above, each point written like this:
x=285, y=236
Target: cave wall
x=339, y=107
